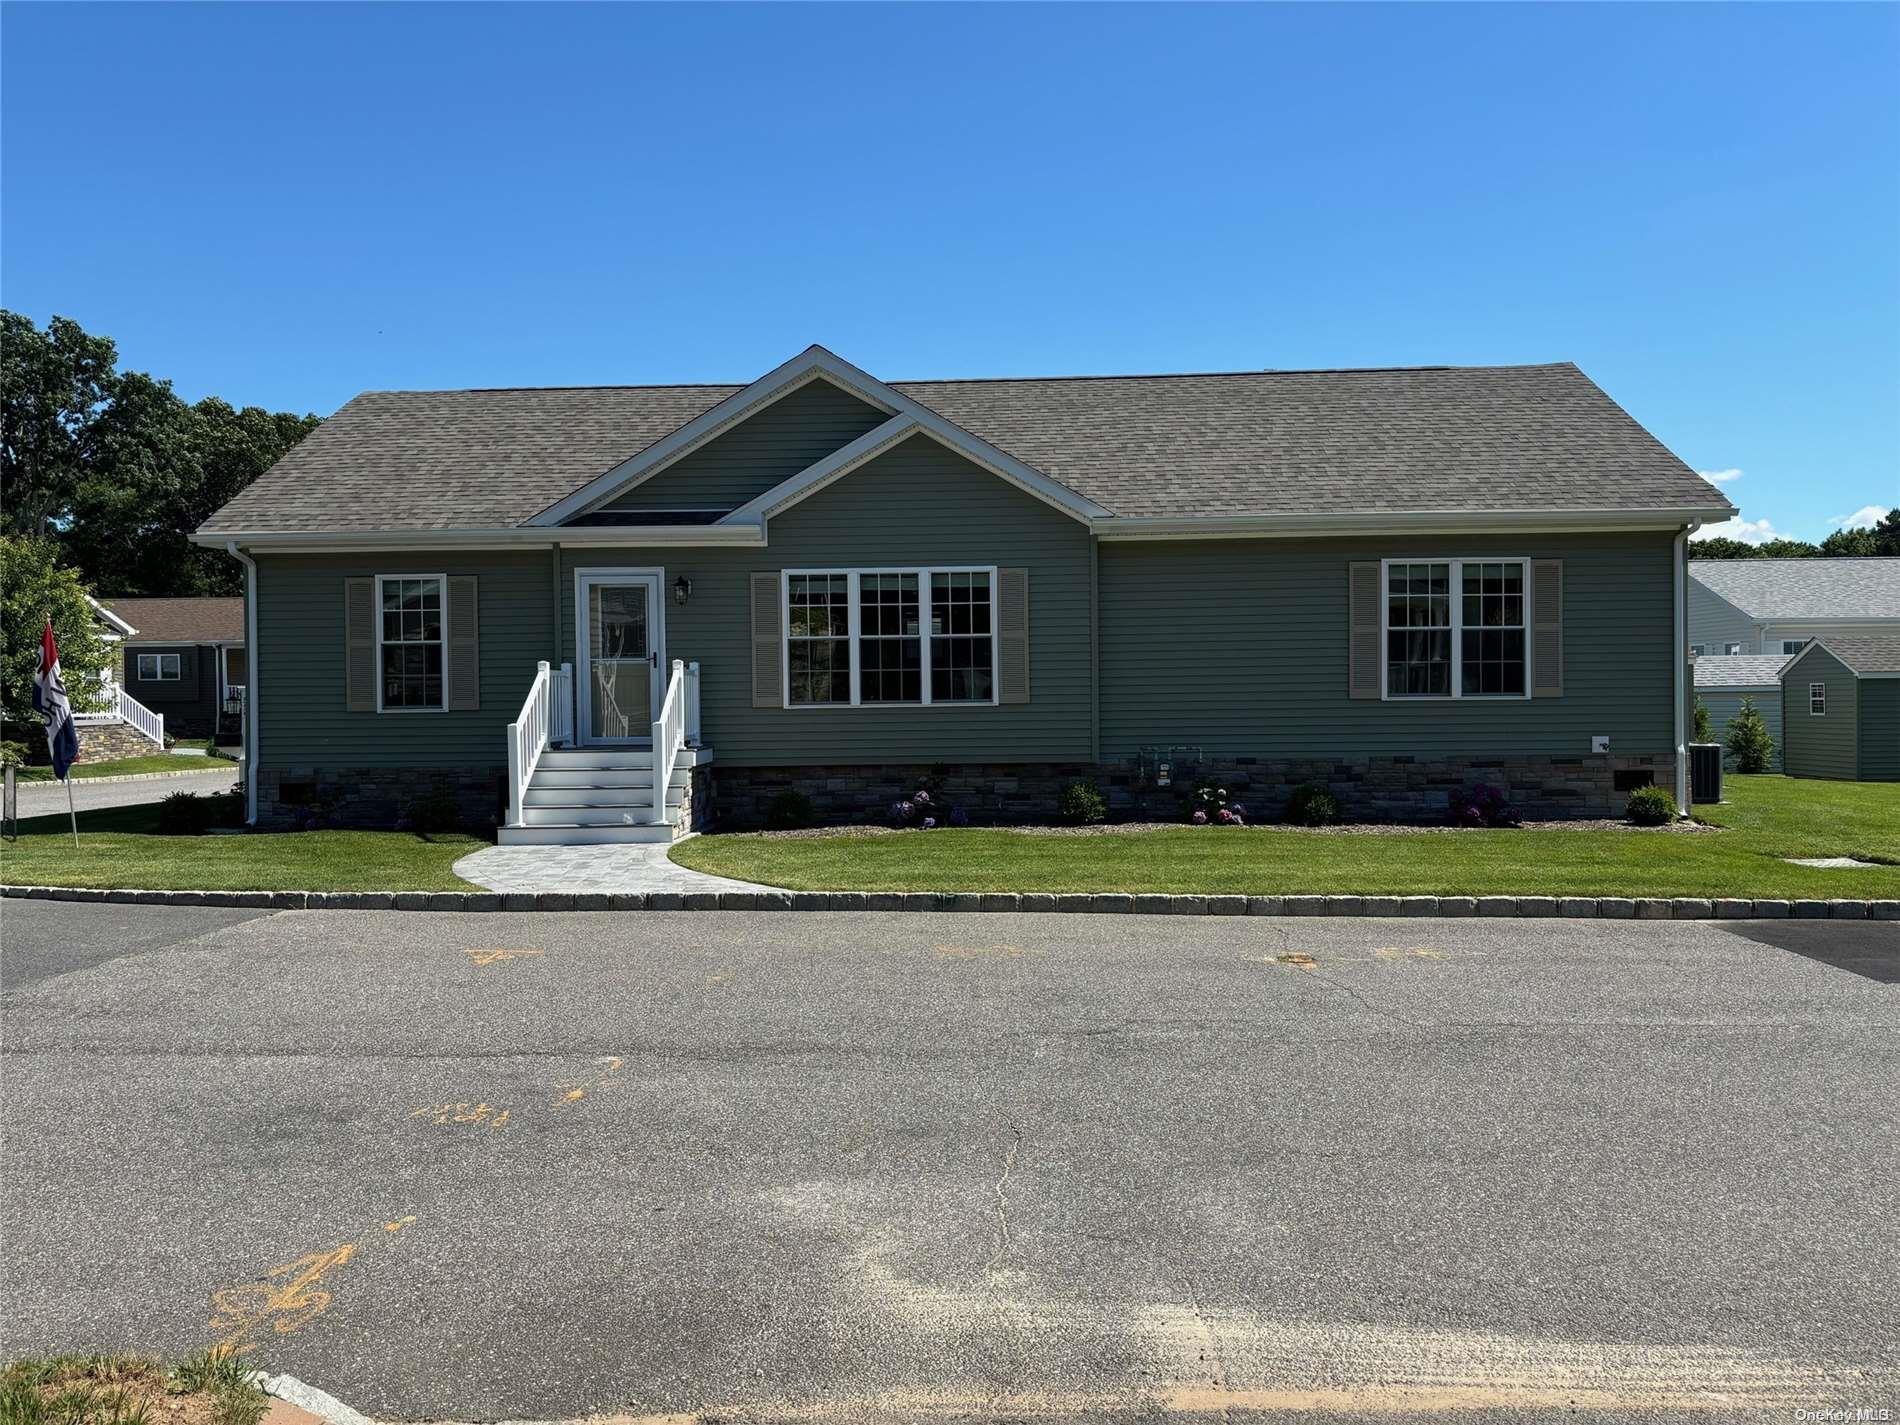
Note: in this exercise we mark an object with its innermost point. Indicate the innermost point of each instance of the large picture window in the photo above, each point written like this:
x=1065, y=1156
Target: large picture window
x=878, y=637
x=1455, y=628
x=158, y=667
x=410, y=643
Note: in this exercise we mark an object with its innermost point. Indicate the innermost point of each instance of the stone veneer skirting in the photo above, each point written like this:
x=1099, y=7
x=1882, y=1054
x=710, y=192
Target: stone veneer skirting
x=110, y=741
x=292, y=797
x=1401, y=789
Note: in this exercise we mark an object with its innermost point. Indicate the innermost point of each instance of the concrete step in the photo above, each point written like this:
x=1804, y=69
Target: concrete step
x=641, y=797
x=571, y=835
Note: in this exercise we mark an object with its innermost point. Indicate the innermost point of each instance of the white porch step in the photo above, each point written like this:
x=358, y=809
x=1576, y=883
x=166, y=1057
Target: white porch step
x=628, y=755
x=623, y=777
x=581, y=835
x=540, y=796
x=640, y=815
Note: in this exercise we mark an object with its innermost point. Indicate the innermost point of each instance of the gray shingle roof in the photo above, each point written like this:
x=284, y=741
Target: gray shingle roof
x=1740, y=670
x=1865, y=652
x=1428, y=438
x=206, y=620
x=1804, y=588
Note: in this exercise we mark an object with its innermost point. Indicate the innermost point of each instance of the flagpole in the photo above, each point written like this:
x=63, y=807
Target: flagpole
x=71, y=812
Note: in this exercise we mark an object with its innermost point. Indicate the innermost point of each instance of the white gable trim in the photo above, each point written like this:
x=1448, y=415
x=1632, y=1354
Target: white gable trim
x=809, y=365
x=125, y=629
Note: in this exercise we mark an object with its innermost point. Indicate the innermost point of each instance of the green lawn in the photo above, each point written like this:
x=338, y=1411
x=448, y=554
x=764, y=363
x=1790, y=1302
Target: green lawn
x=1766, y=818
x=119, y=846
x=128, y=766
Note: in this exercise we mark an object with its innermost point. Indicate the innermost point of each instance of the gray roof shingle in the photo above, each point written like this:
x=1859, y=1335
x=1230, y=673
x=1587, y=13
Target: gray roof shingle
x=1865, y=652
x=1804, y=588
x=1740, y=670
x=1262, y=443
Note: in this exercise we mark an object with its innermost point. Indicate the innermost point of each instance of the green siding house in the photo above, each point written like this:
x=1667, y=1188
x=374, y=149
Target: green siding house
x=1840, y=712
x=615, y=613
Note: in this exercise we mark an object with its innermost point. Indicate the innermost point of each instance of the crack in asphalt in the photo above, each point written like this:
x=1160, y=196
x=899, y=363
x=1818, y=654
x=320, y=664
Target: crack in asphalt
x=1002, y=1201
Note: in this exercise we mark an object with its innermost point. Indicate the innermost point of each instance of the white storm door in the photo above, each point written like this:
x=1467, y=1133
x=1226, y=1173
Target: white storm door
x=621, y=637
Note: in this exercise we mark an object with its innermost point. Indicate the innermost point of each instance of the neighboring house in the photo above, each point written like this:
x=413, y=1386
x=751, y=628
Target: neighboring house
x=1777, y=605
x=1840, y=708
x=185, y=658
x=1392, y=582
x=1722, y=682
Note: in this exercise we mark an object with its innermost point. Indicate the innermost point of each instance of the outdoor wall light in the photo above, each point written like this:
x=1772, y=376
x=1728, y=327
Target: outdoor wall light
x=682, y=590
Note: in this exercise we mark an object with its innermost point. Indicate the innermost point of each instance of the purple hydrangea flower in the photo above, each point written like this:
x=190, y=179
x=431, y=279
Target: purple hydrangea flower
x=930, y=823
x=1200, y=817
x=922, y=798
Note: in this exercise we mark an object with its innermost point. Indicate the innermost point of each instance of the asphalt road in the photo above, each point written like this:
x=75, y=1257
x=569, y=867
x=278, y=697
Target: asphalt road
x=968, y=1167
x=49, y=798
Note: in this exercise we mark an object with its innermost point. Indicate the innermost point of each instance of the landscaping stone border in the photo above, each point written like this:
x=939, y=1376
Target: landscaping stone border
x=1114, y=903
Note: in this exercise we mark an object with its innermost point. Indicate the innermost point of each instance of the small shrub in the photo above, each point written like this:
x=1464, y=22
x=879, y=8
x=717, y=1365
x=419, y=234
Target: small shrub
x=1703, y=732
x=1748, y=740
x=1207, y=805
x=14, y=754
x=1482, y=805
x=1081, y=804
x=185, y=814
x=1312, y=805
x=1651, y=806
x=920, y=812
x=790, y=810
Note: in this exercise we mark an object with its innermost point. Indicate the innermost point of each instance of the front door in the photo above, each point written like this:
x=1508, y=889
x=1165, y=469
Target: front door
x=619, y=637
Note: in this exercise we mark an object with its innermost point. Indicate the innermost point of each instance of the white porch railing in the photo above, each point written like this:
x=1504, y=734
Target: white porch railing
x=547, y=716
x=677, y=724
x=121, y=706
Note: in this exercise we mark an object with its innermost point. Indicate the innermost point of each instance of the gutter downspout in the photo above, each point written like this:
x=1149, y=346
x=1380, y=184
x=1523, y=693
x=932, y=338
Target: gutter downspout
x=251, y=661
x=1680, y=653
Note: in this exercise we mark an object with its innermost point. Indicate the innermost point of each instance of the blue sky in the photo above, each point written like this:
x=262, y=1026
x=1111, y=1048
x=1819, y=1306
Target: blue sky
x=284, y=205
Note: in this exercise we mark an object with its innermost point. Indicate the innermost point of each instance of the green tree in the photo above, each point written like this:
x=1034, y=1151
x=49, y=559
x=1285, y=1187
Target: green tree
x=33, y=585
x=1851, y=543
x=122, y=470
x=1722, y=547
x=52, y=386
x=1702, y=732
x=1790, y=549
x=1887, y=534
x=1748, y=740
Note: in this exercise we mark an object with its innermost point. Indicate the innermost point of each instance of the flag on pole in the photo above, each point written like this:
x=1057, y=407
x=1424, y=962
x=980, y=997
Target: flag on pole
x=56, y=712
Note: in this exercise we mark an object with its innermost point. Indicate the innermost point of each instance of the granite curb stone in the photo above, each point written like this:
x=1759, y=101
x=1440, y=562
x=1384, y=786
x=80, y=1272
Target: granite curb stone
x=1035, y=902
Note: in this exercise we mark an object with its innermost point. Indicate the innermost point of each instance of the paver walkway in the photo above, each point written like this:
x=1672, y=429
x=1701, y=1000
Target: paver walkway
x=587, y=868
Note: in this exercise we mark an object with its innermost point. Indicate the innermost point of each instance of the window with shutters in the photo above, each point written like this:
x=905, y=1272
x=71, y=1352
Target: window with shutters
x=411, y=642
x=882, y=637
x=1456, y=628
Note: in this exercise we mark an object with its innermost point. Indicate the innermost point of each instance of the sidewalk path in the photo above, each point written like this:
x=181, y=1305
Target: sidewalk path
x=587, y=868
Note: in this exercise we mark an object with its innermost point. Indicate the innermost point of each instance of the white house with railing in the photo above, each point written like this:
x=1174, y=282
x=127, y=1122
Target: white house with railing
x=639, y=789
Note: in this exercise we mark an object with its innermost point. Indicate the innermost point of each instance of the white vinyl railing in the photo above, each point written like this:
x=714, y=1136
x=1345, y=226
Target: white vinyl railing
x=546, y=716
x=673, y=729
x=141, y=719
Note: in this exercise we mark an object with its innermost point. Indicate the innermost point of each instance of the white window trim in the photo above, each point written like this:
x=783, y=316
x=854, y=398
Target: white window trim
x=443, y=580
x=1698, y=650
x=1457, y=563
x=923, y=573
x=158, y=660
x=1817, y=692
x=1732, y=649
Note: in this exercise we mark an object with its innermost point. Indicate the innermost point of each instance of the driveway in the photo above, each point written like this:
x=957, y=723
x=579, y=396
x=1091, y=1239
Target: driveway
x=966, y=1167
x=49, y=798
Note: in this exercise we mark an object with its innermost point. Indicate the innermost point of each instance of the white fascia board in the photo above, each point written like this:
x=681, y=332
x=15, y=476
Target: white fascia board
x=105, y=613
x=811, y=364
x=515, y=537
x=1374, y=522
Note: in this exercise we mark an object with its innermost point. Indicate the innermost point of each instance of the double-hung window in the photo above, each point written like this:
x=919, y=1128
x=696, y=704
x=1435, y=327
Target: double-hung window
x=881, y=637
x=1454, y=628
x=158, y=668
x=1817, y=699
x=410, y=642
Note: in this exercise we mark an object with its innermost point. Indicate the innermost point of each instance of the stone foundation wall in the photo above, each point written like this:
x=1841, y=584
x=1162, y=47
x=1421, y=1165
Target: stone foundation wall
x=109, y=741
x=698, y=806
x=290, y=797
x=1398, y=789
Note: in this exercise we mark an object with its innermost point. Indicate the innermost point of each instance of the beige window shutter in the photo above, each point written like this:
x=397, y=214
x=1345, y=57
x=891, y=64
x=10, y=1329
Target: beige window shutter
x=1012, y=635
x=465, y=645
x=359, y=644
x=1547, y=628
x=1362, y=638
x=768, y=644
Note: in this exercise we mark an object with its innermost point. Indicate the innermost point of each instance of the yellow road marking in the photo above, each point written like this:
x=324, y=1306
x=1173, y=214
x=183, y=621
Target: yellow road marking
x=493, y=957
x=287, y=1298
x=574, y=1093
